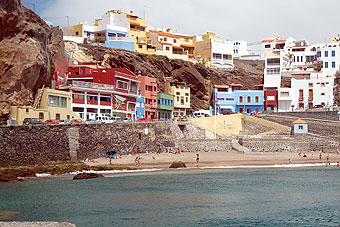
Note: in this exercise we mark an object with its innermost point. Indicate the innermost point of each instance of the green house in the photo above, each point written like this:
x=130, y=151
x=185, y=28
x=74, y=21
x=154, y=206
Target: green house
x=165, y=106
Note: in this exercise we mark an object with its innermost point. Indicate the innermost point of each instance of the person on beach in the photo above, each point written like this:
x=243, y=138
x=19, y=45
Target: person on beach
x=197, y=158
x=320, y=156
x=290, y=161
x=338, y=164
x=137, y=160
x=327, y=157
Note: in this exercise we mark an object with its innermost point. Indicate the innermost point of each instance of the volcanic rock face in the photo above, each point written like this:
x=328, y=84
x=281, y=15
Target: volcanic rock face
x=26, y=47
x=199, y=78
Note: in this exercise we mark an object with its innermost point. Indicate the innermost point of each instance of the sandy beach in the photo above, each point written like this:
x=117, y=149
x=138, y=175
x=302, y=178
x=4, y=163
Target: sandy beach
x=215, y=159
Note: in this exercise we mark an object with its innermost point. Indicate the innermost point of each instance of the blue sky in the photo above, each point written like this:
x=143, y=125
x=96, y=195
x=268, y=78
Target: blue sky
x=250, y=20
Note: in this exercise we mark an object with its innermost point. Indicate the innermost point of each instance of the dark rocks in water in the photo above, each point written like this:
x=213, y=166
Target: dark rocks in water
x=9, y=178
x=177, y=164
x=82, y=176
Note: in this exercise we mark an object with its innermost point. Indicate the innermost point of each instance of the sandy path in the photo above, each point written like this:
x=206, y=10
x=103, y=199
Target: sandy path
x=231, y=158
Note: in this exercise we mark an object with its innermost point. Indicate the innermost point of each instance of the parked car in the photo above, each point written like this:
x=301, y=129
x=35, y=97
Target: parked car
x=144, y=120
x=76, y=121
x=227, y=112
x=115, y=118
x=318, y=106
x=104, y=119
x=64, y=122
x=32, y=121
x=91, y=121
x=127, y=119
x=51, y=122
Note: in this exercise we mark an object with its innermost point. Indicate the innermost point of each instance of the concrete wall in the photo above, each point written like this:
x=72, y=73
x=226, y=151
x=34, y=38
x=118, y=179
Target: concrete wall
x=41, y=144
x=325, y=115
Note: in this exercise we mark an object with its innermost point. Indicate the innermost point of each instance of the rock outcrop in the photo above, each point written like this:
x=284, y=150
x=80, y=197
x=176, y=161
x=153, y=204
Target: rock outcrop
x=82, y=176
x=199, y=78
x=177, y=164
x=27, y=47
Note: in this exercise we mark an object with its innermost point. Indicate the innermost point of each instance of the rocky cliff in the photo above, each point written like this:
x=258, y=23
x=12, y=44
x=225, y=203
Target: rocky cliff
x=199, y=78
x=27, y=47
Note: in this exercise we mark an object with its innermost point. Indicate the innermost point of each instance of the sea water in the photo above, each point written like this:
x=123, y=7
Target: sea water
x=194, y=197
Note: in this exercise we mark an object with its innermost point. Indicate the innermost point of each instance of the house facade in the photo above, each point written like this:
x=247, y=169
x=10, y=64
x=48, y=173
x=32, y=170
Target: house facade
x=53, y=104
x=148, y=88
x=165, y=106
x=181, y=94
x=97, y=91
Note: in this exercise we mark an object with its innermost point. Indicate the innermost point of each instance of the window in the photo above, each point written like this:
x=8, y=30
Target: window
x=53, y=100
x=186, y=94
x=267, y=46
x=92, y=98
x=273, y=61
x=186, y=99
x=77, y=33
x=167, y=48
x=159, y=101
x=57, y=116
x=140, y=46
x=182, y=100
x=154, y=88
x=41, y=115
x=63, y=102
x=177, y=99
x=323, y=94
x=27, y=110
x=257, y=99
x=300, y=127
x=333, y=53
x=273, y=71
x=177, y=93
x=297, y=59
x=217, y=56
x=225, y=57
x=142, y=29
x=326, y=65
x=220, y=99
x=229, y=99
x=122, y=85
x=105, y=99
x=333, y=64
x=294, y=59
x=165, y=39
x=301, y=58
x=77, y=96
x=310, y=85
x=175, y=40
x=248, y=99
x=326, y=53
x=240, y=99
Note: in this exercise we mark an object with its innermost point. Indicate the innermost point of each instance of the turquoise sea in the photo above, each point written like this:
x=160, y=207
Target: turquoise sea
x=193, y=197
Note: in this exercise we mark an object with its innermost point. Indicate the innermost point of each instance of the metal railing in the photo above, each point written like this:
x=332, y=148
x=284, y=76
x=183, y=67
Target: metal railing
x=127, y=39
x=93, y=85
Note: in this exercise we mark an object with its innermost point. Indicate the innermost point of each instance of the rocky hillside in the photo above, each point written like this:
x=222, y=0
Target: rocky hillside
x=27, y=47
x=198, y=77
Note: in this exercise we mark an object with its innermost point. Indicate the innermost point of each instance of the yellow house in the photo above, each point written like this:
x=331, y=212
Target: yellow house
x=54, y=104
x=181, y=94
x=138, y=31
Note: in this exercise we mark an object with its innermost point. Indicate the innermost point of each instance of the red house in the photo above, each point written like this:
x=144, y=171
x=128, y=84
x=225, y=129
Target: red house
x=148, y=88
x=96, y=90
x=270, y=100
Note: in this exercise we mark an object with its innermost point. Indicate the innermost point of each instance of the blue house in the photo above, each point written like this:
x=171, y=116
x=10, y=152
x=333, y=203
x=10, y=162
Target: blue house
x=118, y=39
x=140, y=108
x=231, y=99
x=299, y=126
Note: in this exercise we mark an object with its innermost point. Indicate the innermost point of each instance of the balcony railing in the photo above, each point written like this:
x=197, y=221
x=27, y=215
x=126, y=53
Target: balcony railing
x=126, y=39
x=93, y=85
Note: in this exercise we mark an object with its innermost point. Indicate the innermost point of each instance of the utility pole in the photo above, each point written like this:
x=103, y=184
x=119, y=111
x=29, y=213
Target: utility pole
x=68, y=20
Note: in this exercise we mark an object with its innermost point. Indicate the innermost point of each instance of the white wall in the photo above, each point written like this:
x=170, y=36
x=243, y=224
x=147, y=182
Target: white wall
x=224, y=48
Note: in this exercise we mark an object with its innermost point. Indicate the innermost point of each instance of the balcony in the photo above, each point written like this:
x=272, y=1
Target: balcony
x=125, y=39
x=300, y=99
x=310, y=98
x=93, y=85
x=105, y=103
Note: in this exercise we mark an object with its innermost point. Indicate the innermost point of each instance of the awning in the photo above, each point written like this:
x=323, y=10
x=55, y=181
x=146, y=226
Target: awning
x=134, y=23
x=187, y=46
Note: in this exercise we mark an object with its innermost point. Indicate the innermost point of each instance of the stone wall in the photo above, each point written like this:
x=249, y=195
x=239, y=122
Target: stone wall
x=204, y=145
x=326, y=115
x=41, y=144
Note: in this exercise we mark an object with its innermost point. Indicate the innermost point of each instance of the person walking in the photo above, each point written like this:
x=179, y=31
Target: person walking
x=197, y=158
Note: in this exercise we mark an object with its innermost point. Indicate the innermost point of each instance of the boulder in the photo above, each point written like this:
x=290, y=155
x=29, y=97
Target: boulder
x=82, y=176
x=177, y=164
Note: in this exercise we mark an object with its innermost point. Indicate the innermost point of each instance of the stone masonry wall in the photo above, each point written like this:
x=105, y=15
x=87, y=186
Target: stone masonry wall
x=41, y=144
x=204, y=145
x=326, y=115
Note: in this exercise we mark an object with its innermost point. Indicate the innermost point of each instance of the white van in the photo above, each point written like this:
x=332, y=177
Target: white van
x=104, y=119
x=202, y=113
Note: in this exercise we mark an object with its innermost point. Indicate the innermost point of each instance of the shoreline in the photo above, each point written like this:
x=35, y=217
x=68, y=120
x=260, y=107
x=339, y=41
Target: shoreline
x=161, y=162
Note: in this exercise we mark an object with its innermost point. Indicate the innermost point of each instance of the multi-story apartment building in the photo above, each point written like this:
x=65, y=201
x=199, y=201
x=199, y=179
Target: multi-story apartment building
x=99, y=91
x=302, y=74
x=169, y=44
x=148, y=88
x=181, y=94
x=112, y=30
x=217, y=52
x=240, y=49
x=232, y=99
x=165, y=106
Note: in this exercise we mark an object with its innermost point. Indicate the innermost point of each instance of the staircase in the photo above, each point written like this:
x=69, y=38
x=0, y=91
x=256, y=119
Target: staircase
x=36, y=103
